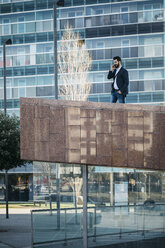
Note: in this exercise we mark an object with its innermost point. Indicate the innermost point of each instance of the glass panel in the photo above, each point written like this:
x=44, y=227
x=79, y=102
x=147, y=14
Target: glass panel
x=123, y=206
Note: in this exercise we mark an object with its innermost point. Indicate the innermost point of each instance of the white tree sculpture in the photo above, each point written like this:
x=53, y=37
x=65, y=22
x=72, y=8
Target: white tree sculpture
x=74, y=64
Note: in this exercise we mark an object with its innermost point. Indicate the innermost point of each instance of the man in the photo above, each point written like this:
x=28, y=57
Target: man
x=120, y=81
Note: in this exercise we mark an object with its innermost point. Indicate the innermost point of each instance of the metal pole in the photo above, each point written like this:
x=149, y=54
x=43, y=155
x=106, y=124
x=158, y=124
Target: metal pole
x=58, y=194
x=85, y=229
x=4, y=78
x=4, y=74
x=6, y=183
x=55, y=52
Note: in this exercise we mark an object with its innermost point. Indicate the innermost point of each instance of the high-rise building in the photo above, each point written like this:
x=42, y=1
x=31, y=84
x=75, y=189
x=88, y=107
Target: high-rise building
x=133, y=30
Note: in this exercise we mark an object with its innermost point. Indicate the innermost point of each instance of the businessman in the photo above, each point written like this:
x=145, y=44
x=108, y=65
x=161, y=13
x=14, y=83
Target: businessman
x=120, y=81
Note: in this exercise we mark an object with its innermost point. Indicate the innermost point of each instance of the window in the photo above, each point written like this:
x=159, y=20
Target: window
x=79, y=22
x=21, y=25
x=125, y=49
x=6, y=27
x=124, y=9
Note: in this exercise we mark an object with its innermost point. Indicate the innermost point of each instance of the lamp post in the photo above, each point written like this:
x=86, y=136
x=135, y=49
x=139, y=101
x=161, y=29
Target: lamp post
x=7, y=42
x=59, y=3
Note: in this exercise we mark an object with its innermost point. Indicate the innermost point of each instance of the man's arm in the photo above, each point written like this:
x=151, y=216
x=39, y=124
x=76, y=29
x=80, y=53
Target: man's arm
x=125, y=81
x=111, y=73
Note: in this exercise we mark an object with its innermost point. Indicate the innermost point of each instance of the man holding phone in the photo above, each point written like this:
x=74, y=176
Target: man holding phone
x=120, y=81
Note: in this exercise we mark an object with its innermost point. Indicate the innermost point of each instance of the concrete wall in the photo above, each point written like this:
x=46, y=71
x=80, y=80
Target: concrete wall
x=117, y=135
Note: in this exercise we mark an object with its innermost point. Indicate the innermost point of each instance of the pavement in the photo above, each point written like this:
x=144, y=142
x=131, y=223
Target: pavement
x=15, y=232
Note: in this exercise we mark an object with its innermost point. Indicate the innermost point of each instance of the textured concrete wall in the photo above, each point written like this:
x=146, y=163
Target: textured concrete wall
x=106, y=134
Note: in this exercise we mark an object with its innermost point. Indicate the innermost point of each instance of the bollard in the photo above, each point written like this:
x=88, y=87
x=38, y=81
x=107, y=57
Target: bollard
x=94, y=238
x=143, y=232
x=65, y=221
x=120, y=222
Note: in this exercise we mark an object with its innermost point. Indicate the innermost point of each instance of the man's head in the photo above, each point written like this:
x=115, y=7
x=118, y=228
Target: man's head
x=117, y=61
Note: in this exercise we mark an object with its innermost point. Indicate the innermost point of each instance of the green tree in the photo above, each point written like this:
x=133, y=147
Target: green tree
x=9, y=146
x=9, y=142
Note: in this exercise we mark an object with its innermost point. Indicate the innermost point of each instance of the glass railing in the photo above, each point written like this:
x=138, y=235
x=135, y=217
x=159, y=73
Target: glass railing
x=106, y=225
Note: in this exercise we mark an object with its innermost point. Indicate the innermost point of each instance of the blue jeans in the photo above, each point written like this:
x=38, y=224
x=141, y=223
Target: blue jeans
x=116, y=96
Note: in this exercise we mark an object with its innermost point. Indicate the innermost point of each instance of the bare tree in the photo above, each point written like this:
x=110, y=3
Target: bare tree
x=74, y=65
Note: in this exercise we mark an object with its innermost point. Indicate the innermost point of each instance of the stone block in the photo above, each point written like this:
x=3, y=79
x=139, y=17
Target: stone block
x=88, y=113
x=72, y=116
x=104, y=145
x=73, y=137
x=73, y=156
x=41, y=151
x=57, y=120
x=119, y=158
x=41, y=129
x=27, y=111
x=103, y=121
x=42, y=111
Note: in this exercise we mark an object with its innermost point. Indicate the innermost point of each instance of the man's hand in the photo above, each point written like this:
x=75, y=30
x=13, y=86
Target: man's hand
x=119, y=92
x=112, y=67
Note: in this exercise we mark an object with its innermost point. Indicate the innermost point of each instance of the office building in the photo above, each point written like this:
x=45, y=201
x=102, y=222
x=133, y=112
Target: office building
x=133, y=30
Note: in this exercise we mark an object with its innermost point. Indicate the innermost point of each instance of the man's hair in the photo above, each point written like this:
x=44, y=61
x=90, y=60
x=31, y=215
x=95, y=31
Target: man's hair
x=117, y=57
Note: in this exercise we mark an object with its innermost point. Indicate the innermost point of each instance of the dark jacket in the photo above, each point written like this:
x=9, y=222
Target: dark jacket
x=122, y=80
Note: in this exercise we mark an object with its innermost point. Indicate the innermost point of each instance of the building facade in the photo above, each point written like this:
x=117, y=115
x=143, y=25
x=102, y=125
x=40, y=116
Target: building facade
x=133, y=30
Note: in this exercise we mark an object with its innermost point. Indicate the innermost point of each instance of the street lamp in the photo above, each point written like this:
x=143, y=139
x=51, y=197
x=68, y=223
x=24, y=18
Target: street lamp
x=61, y=4
x=7, y=42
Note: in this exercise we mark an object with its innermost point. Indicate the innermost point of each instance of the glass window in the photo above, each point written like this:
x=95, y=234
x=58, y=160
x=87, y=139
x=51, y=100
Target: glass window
x=42, y=70
x=21, y=82
x=134, y=51
x=48, y=25
x=107, y=87
x=79, y=22
x=157, y=27
x=131, y=64
x=43, y=15
x=39, y=26
x=147, y=6
x=145, y=98
x=126, y=52
x=124, y=18
x=158, y=62
x=30, y=81
x=28, y=6
x=124, y=9
x=15, y=93
x=144, y=63
x=18, y=71
x=31, y=92
x=158, y=97
x=117, y=30
x=6, y=27
x=30, y=70
x=1, y=93
x=30, y=27
x=133, y=17
x=144, y=28
x=140, y=17
x=45, y=91
x=30, y=38
x=14, y=29
x=41, y=37
x=22, y=92
x=147, y=16
x=157, y=85
x=21, y=27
